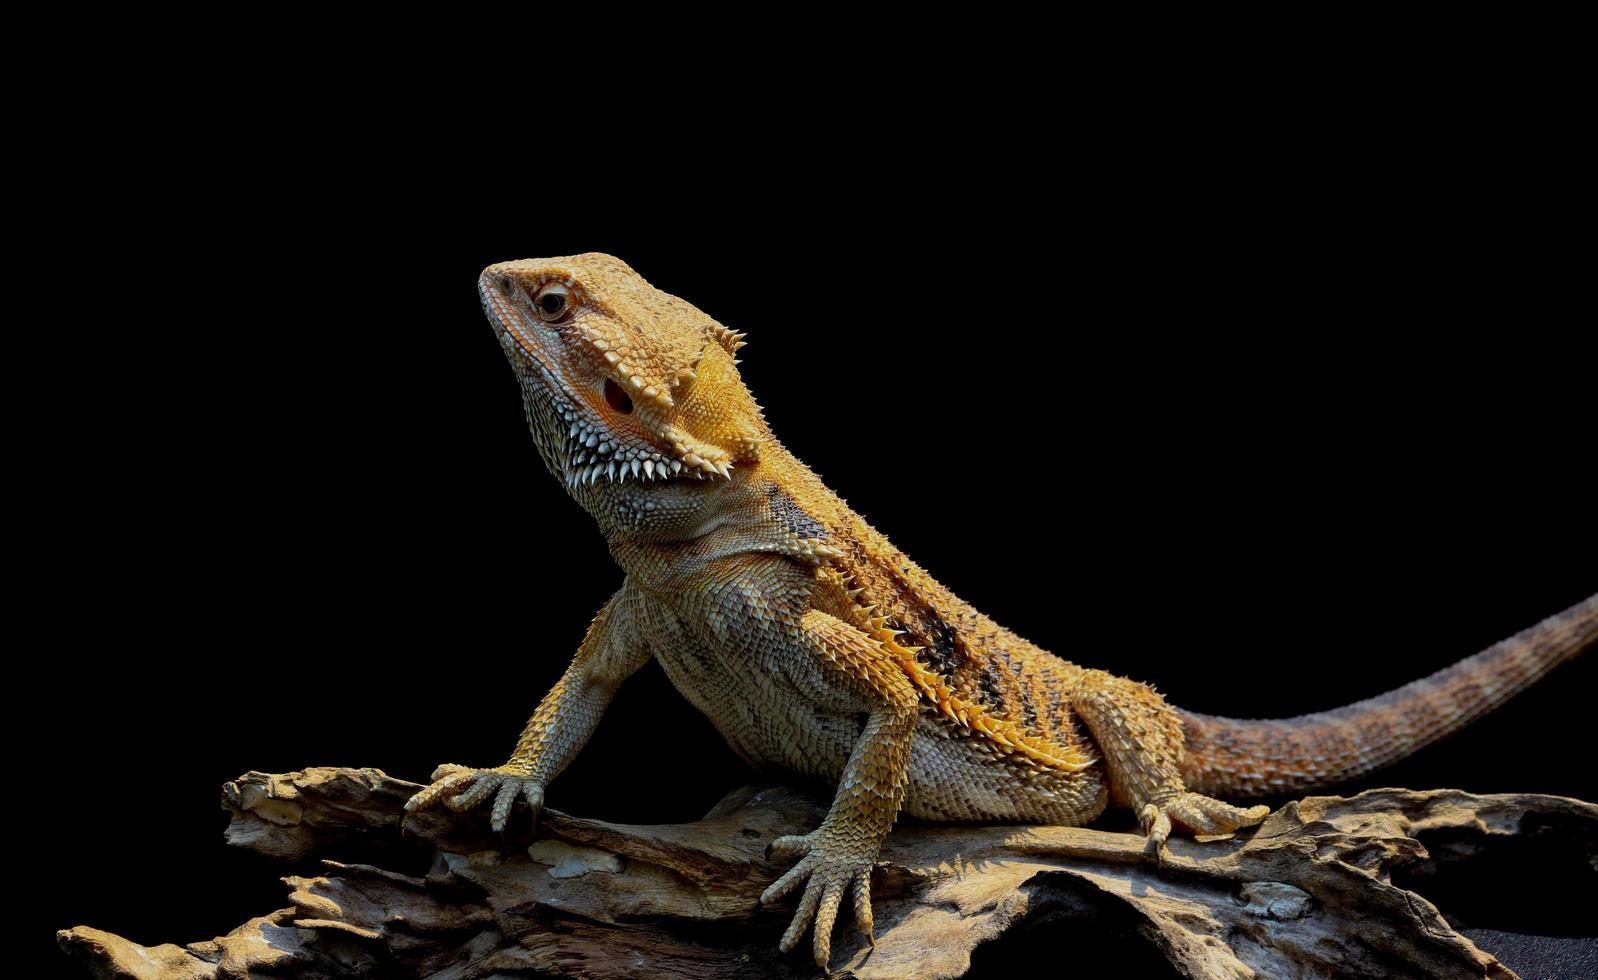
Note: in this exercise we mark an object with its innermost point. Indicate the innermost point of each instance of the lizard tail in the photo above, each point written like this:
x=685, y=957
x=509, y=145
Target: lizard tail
x=1246, y=758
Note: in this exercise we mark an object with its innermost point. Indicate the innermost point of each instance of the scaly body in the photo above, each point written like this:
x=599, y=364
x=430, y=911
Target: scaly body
x=816, y=646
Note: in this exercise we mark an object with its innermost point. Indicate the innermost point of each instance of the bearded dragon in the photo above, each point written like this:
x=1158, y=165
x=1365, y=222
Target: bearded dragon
x=814, y=645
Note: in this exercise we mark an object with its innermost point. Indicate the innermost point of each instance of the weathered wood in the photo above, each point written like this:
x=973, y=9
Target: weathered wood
x=1310, y=893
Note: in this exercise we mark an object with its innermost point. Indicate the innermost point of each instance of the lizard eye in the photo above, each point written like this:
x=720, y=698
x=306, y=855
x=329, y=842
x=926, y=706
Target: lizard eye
x=553, y=303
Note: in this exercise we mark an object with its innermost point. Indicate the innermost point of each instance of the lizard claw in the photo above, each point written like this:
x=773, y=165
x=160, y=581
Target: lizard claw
x=829, y=872
x=475, y=786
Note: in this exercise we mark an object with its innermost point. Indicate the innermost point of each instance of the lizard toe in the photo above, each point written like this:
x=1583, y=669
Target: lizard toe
x=862, y=906
x=832, y=889
x=483, y=783
x=445, y=779
x=789, y=848
x=1203, y=815
x=790, y=880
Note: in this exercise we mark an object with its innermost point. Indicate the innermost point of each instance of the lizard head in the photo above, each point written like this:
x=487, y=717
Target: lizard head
x=622, y=383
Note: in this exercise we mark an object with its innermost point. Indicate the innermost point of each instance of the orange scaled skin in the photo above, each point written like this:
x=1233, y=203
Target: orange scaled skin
x=817, y=647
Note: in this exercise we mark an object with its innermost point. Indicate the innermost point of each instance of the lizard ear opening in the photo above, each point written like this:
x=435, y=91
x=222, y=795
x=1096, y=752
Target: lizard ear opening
x=616, y=398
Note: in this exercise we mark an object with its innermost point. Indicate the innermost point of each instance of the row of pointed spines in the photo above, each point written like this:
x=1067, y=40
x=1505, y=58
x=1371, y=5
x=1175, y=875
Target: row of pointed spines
x=1005, y=737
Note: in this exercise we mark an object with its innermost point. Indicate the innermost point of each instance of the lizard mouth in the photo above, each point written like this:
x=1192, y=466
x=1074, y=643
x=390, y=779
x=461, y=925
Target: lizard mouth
x=584, y=450
x=593, y=458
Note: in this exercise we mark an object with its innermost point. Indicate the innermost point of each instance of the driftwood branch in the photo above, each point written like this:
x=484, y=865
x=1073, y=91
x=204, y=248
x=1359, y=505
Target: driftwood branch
x=1323, y=887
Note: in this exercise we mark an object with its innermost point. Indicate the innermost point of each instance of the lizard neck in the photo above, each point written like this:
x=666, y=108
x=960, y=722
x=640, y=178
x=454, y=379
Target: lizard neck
x=664, y=535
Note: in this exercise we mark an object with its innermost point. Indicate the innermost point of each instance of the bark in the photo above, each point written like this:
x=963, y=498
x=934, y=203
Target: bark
x=1326, y=886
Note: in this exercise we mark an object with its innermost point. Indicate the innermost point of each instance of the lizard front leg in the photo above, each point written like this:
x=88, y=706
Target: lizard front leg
x=837, y=857
x=1140, y=736
x=610, y=652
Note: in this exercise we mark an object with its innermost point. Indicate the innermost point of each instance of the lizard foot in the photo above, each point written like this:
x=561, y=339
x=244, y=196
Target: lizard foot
x=475, y=785
x=1198, y=814
x=832, y=868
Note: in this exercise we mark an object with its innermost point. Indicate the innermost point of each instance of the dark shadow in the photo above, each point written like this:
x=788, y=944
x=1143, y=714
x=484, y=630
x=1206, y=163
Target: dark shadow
x=1071, y=929
x=1539, y=881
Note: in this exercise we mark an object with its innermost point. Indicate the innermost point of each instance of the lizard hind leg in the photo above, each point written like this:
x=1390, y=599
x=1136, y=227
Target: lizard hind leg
x=1140, y=737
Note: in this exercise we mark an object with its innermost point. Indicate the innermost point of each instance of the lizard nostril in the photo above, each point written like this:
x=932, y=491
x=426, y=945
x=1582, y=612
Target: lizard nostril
x=616, y=398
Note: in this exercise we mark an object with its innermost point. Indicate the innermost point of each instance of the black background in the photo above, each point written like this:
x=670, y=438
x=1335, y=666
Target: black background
x=1275, y=405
